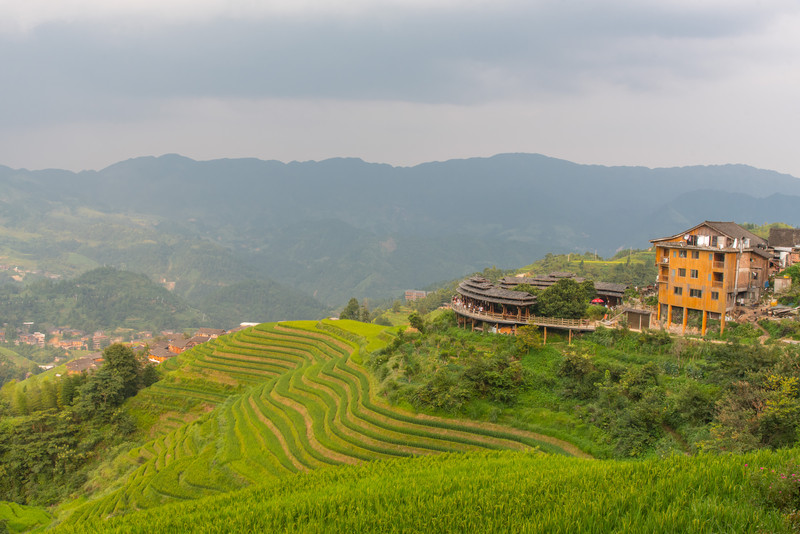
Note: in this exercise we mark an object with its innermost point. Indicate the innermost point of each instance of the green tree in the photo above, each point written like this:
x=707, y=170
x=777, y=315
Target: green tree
x=416, y=321
x=529, y=337
x=566, y=298
x=350, y=311
x=122, y=362
x=103, y=392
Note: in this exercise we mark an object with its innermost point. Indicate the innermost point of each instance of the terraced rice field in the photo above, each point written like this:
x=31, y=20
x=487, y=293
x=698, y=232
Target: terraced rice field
x=288, y=398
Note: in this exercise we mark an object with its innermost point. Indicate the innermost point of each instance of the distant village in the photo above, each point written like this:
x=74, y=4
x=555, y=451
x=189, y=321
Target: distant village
x=157, y=348
x=713, y=271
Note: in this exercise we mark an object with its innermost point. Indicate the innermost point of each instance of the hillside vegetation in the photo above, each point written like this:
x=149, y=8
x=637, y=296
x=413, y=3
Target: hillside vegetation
x=284, y=398
x=494, y=492
x=206, y=225
x=289, y=411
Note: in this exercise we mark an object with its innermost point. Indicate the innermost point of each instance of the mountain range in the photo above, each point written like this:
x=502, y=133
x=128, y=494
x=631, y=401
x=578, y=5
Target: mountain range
x=344, y=227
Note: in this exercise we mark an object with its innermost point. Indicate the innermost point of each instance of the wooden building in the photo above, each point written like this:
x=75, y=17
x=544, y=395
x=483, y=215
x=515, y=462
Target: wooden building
x=709, y=268
x=482, y=305
x=786, y=244
x=160, y=353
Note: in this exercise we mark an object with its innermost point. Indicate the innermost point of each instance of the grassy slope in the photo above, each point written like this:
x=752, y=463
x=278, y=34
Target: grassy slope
x=23, y=518
x=267, y=402
x=488, y=492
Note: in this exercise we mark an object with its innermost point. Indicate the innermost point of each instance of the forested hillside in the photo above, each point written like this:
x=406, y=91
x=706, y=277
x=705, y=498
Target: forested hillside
x=342, y=227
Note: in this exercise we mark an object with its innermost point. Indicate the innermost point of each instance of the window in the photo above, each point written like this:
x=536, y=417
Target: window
x=715, y=295
x=693, y=273
x=678, y=290
x=674, y=253
x=681, y=272
x=697, y=293
x=695, y=254
x=681, y=253
x=714, y=241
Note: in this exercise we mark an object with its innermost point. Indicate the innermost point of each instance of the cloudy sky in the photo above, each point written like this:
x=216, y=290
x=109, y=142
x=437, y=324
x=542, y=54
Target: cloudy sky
x=86, y=83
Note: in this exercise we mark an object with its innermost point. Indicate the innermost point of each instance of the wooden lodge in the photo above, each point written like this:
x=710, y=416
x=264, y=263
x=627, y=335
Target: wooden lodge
x=710, y=268
x=482, y=305
x=480, y=302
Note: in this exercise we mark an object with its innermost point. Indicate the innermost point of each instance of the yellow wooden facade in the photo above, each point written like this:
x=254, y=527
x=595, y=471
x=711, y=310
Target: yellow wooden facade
x=709, y=268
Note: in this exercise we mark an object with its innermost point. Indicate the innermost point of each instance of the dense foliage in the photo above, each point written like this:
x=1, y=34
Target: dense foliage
x=100, y=299
x=620, y=393
x=51, y=430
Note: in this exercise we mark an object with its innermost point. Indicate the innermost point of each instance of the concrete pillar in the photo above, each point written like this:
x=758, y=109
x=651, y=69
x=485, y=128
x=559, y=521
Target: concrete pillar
x=705, y=321
x=685, y=318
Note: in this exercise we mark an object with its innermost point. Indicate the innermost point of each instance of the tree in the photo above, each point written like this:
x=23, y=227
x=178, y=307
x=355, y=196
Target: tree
x=350, y=311
x=566, y=298
x=416, y=321
x=122, y=362
x=103, y=392
x=529, y=337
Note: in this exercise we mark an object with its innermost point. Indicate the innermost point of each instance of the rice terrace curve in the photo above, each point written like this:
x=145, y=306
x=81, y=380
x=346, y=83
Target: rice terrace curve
x=279, y=399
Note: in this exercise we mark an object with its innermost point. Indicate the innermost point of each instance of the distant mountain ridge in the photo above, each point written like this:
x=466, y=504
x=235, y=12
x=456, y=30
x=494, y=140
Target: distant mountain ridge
x=344, y=227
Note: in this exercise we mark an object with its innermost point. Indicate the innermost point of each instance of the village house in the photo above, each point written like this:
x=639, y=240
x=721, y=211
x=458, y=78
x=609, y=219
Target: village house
x=160, y=353
x=709, y=269
x=415, y=294
x=212, y=333
x=786, y=244
x=85, y=364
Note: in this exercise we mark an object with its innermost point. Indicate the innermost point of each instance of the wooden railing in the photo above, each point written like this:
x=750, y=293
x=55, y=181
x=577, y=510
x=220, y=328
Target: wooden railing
x=556, y=322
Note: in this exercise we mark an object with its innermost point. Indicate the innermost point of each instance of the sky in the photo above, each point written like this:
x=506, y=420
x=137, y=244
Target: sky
x=87, y=83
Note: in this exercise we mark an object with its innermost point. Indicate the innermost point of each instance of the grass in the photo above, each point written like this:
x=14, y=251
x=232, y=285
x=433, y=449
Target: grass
x=22, y=518
x=284, y=398
x=501, y=491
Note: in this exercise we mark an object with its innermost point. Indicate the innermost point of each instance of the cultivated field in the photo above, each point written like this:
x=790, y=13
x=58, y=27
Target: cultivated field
x=280, y=399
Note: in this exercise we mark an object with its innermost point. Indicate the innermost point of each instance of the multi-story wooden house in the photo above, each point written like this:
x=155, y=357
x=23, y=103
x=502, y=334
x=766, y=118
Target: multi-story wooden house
x=709, y=269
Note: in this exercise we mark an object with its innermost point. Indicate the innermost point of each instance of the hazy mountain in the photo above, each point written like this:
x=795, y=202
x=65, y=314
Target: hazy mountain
x=345, y=227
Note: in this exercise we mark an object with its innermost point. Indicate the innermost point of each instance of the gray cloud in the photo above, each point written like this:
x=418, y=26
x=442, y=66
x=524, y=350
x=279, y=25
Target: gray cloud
x=454, y=56
x=589, y=57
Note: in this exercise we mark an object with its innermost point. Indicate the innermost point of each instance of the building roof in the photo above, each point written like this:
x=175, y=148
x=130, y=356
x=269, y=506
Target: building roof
x=197, y=339
x=784, y=237
x=210, y=331
x=480, y=288
x=610, y=288
x=178, y=342
x=161, y=352
x=544, y=281
x=92, y=361
x=726, y=228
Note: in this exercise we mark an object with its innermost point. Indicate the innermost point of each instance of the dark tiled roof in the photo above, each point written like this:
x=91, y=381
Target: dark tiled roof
x=83, y=364
x=197, y=339
x=161, y=352
x=179, y=342
x=784, y=237
x=610, y=288
x=482, y=289
x=210, y=331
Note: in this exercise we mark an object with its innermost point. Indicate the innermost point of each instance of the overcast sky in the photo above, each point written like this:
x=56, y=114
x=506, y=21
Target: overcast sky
x=86, y=83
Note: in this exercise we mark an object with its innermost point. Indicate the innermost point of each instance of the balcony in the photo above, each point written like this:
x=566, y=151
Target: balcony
x=718, y=264
x=664, y=260
x=717, y=283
